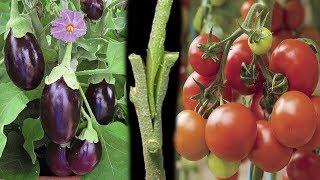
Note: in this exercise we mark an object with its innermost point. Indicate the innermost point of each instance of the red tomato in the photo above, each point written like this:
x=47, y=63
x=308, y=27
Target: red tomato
x=293, y=119
x=245, y=8
x=315, y=140
x=277, y=17
x=231, y=131
x=294, y=14
x=191, y=89
x=189, y=137
x=240, y=53
x=304, y=165
x=205, y=67
x=234, y=177
x=278, y=37
x=297, y=61
x=310, y=32
x=256, y=107
x=267, y=153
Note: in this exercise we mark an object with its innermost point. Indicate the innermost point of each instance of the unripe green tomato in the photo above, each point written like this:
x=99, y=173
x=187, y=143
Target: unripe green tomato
x=222, y=169
x=217, y=2
x=264, y=44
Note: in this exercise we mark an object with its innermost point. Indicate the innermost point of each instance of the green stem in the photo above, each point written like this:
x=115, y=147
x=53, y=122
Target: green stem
x=139, y=97
x=265, y=72
x=156, y=48
x=92, y=72
x=1, y=61
x=86, y=103
x=269, y=6
x=89, y=120
x=257, y=173
x=67, y=56
x=14, y=9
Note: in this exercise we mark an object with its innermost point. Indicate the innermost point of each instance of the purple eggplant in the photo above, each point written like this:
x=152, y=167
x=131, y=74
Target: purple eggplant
x=24, y=61
x=93, y=8
x=84, y=156
x=56, y=157
x=60, y=111
x=101, y=98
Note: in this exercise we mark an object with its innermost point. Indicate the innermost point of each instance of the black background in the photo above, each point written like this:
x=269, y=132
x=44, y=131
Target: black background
x=140, y=17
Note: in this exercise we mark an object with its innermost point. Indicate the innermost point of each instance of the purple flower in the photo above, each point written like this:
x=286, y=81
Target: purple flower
x=69, y=27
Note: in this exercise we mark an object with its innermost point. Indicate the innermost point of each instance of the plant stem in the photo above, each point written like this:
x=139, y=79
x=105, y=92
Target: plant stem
x=1, y=61
x=139, y=97
x=91, y=72
x=155, y=50
x=265, y=72
x=89, y=120
x=257, y=173
x=86, y=103
x=67, y=56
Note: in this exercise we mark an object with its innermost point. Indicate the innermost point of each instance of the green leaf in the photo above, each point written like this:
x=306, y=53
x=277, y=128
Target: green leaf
x=32, y=131
x=15, y=164
x=116, y=57
x=4, y=18
x=12, y=102
x=120, y=85
x=3, y=75
x=114, y=164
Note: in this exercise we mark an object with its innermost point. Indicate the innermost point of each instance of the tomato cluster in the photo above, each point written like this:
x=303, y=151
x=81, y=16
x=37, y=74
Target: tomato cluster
x=277, y=129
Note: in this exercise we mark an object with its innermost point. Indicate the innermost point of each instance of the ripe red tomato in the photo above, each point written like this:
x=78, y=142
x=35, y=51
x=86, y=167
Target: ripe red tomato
x=234, y=177
x=245, y=8
x=189, y=137
x=277, y=17
x=231, y=131
x=239, y=53
x=297, y=61
x=277, y=14
x=256, y=108
x=267, y=153
x=278, y=37
x=205, y=67
x=315, y=140
x=293, y=119
x=310, y=32
x=294, y=14
x=191, y=89
x=304, y=165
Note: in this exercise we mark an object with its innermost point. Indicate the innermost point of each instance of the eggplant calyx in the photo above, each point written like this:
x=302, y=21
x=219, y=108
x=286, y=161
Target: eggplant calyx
x=89, y=134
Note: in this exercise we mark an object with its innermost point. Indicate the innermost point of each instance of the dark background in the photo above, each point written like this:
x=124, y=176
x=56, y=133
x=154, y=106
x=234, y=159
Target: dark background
x=140, y=17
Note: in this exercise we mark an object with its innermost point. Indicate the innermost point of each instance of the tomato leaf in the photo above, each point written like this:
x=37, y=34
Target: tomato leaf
x=114, y=162
x=15, y=163
x=32, y=131
x=12, y=102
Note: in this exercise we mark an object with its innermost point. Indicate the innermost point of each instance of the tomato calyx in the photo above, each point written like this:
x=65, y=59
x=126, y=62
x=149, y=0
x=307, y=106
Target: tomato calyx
x=313, y=45
x=211, y=50
x=205, y=97
x=249, y=74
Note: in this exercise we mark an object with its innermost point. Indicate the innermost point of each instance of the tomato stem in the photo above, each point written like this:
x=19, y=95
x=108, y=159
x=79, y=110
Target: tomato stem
x=257, y=173
x=265, y=72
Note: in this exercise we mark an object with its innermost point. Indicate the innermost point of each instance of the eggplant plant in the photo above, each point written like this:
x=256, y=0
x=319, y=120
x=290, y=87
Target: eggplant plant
x=63, y=108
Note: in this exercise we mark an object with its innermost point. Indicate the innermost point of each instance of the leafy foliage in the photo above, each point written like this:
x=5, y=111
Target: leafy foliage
x=115, y=157
x=32, y=131
x=15, y=163
x=12, y=102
